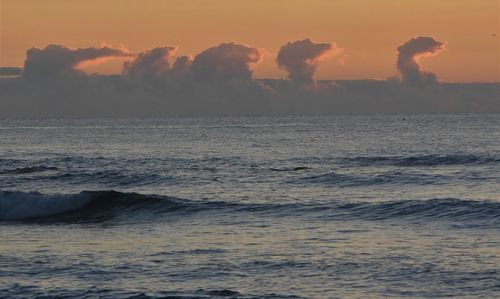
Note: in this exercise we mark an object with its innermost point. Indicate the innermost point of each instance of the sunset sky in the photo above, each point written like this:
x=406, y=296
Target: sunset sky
x=368, y=31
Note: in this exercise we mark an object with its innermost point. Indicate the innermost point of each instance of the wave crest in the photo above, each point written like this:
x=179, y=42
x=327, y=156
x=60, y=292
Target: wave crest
x=391, y=177
x=86, y=205
x=423, y=160
x=97, y=206
x=27, y=170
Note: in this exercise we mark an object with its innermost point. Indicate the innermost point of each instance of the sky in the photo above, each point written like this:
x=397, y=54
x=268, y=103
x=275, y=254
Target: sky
x=129, y=58
x=368, y=32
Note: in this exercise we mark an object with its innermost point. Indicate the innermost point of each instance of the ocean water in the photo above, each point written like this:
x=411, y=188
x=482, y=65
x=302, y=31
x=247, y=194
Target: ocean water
x=251, y=207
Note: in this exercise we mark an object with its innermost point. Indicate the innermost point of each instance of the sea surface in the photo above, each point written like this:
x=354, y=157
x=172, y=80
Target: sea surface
x=374, y=206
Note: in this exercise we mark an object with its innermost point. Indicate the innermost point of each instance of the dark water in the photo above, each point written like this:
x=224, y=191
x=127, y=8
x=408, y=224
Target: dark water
x=291, y=207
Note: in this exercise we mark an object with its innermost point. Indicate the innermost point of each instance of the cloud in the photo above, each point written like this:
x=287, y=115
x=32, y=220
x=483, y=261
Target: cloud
x=159, y=68
x=408, y=57
x=300, y=59
x=218, y=81
x=150, y=64
x=55, y=61
x=226, y=62
x=9, y=71
x=181, y=69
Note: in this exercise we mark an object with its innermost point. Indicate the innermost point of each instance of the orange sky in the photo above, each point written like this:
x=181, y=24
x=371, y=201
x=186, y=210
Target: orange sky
x=369, y=31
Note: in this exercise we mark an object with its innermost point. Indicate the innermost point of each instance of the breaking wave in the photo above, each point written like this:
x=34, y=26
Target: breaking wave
x=86, y=205
x=96, y=206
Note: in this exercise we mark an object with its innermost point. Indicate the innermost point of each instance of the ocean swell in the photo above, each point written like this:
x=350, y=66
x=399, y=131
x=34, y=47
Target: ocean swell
x=86, y=205
x=27, y=170
x=385, y=178
x=96, y=206
x=423, y=160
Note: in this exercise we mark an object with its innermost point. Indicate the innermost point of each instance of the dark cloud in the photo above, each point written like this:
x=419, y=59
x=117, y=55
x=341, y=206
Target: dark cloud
x=56, y=61
x=227, y=61
x=219, y=81
x=159, y=68
x=10, y=71
x=408, y=55
x=151, y=64
x=300, y=59
x=181, y=69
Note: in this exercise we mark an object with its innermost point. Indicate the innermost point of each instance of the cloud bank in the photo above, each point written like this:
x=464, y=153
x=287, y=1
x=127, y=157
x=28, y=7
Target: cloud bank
x=300, y=59
x=219, y=81
x=409, y=54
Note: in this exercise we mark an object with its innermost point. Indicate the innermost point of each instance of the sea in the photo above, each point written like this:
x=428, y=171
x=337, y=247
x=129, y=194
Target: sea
x=318, y=206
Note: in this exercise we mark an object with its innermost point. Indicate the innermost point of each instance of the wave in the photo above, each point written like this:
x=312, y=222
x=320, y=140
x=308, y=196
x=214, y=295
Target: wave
x=34, y=291
x=86, y=205
x=98, y=206
x=27, y=170
x=111, y=178
x=430, y=209
x=285, y=169
x=423, y=160
x=391, y=177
